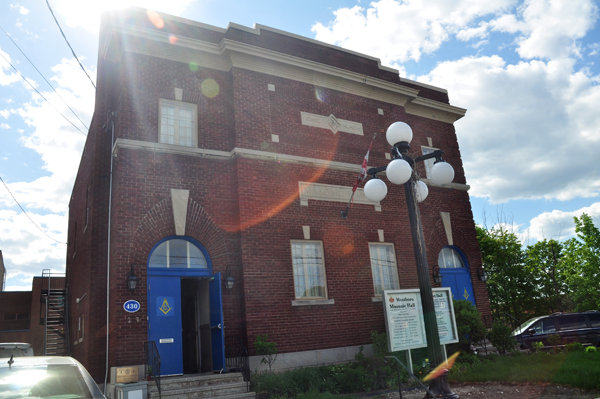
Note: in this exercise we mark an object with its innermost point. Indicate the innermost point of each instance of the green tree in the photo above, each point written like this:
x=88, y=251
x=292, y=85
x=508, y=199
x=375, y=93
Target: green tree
x=582, y=264
x=511, y=286
x=544, y=261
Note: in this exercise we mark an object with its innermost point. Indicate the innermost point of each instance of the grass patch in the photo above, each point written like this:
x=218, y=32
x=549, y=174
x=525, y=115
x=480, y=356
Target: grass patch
x=577, y=369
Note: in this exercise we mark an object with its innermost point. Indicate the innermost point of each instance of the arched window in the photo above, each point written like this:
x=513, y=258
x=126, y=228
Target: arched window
x=449, y=259
x=177, y=253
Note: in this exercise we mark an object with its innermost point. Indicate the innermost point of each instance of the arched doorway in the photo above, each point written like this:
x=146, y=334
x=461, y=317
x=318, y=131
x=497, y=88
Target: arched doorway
x=454, y=270
x=185, y=313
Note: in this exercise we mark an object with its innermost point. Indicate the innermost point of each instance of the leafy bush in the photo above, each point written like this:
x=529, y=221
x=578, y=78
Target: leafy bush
x=590, y=349
x=554, y=339
x=501, y=337
x=574, y=347
x=536, y=346
x=266, y=349
x=469, y=325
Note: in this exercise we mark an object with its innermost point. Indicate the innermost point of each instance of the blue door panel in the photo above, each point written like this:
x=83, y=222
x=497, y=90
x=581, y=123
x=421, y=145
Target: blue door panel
x=164, y=322
x=459, y=282
x=216, y=323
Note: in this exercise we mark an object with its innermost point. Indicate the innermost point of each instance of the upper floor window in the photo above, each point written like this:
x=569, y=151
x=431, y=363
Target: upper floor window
x=309, y=269
x=449, y=259
x=177, y=253
x=178, y=123
x=383, y=266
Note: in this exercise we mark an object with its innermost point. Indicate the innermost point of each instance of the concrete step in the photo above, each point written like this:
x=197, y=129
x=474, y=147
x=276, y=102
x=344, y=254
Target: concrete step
x=197, y=380
x=223, y=386
x=213, y=391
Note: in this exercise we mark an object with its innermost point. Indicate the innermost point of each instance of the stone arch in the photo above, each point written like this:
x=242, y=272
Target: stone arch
x=158, y=223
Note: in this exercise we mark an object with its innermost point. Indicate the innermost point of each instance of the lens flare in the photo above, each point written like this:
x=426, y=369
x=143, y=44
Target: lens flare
x=173, y=39
x=442, y=368
x=193, y=66
x=210, y=88
x=156, y=19
x=321, y=94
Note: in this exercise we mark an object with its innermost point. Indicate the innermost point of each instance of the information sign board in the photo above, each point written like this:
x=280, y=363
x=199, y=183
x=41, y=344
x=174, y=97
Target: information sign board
x=404, y=320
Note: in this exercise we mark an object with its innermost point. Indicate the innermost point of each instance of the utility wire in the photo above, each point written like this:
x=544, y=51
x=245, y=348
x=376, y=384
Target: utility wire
x=44, y=78
x=11, y=194
x=36, y=90
x=72, y=51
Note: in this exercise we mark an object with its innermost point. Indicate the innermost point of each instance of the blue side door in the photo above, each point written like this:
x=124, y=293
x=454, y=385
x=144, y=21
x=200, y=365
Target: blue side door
x=164, y=322
x=216, y=323
x=459, y=282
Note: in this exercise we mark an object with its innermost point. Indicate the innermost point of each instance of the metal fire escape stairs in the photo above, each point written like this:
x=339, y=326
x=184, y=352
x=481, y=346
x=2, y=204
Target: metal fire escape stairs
x=53, y=314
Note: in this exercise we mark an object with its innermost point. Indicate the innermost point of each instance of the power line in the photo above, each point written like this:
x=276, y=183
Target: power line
x=59, y=96
x=36, y=90
x=72, y=51
x=11, y=194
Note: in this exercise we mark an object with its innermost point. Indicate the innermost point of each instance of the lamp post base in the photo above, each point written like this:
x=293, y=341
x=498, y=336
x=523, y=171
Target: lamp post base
x=440, y=388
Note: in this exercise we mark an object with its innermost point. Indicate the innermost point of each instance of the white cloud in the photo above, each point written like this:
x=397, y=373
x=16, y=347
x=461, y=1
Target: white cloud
x=26, y=250
x=531, y=130
x=549, y=28
x=6, y=79
x=87, y=14
x=559, y=225
x=5, y=113
x=404, y=30
x=22, y=10
x=4, y=126
x=480, y=32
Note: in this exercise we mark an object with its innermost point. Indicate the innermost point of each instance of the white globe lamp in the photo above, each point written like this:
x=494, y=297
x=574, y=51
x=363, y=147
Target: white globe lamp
x=398, y=132
x=398, y=171
x=442, y=173
x=375, y=190
x=421, y=191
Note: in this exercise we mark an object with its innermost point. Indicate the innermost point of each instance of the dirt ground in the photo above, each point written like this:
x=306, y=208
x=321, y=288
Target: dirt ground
x=511, y=391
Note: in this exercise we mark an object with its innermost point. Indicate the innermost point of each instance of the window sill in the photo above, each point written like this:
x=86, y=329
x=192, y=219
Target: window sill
x=377, y=299
x=311, y=302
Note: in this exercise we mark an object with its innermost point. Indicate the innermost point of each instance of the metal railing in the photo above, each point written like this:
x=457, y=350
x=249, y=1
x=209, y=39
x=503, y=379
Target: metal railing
x=236, y=357
x=153, y=363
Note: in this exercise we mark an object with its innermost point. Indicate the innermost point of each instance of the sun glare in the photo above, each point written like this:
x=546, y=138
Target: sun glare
x=87, y=14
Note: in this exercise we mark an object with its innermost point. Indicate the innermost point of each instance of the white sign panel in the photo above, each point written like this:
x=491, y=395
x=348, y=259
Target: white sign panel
x=404, y=319
x=444, y=314
x=405, y=323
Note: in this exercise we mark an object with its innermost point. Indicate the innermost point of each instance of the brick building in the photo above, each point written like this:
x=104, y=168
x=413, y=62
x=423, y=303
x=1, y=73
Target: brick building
x=233, y=152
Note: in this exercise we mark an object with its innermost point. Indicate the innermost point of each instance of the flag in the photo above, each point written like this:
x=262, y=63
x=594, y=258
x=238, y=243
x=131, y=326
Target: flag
x=363, y=168
x=361, y=176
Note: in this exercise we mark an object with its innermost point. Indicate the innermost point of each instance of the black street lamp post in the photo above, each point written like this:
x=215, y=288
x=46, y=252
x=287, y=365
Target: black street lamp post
x=401, y=171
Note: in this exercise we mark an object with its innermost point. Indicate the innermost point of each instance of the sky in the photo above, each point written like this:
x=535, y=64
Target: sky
x=528, y=73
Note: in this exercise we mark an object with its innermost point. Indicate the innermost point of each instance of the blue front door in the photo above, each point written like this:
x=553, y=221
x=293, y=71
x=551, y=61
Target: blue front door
x=459, y=282
x=164, y=322
x=217, y=334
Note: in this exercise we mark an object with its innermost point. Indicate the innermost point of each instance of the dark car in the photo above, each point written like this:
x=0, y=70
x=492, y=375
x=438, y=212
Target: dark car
x=571, y=327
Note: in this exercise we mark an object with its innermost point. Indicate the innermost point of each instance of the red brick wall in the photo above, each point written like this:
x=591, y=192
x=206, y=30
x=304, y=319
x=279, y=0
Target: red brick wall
x=245, y=211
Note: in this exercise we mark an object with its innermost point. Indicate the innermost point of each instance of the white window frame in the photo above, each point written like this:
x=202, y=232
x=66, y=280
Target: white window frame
x=379, y=267
x=178, y=105
x=428, y=162
x=305, y=269
x=455, y=255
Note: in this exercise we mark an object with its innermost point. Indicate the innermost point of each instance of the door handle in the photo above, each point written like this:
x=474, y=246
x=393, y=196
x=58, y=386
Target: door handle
x=218, y=326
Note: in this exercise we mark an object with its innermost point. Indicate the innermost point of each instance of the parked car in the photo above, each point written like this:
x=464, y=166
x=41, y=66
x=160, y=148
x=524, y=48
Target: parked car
x=8, y=349
x=45, y=377
x=570, y=327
